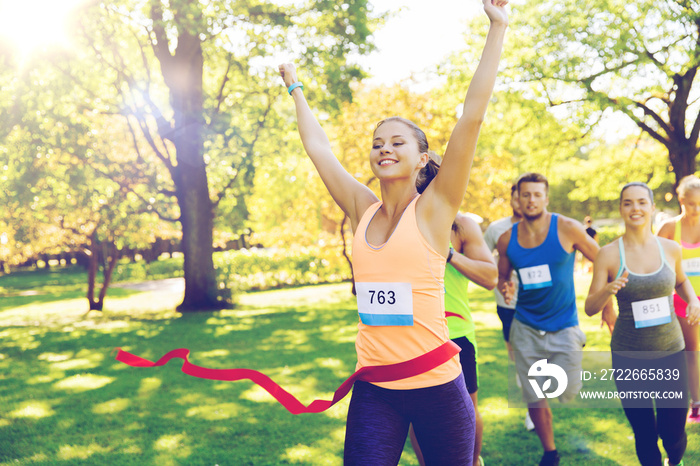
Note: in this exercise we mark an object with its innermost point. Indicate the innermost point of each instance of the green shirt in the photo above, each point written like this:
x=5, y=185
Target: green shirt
x=456, y=301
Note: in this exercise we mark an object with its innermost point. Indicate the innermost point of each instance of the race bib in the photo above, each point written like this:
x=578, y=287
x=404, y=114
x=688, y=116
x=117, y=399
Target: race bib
x=385, y=303
x=691, y=267
x=536, y=277
x=651, y=312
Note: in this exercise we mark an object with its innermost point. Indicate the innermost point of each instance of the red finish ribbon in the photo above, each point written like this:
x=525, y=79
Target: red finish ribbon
x=388, y=373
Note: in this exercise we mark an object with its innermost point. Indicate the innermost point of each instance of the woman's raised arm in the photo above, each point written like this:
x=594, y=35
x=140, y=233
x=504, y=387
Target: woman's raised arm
x=450, y=184
x=351, y=196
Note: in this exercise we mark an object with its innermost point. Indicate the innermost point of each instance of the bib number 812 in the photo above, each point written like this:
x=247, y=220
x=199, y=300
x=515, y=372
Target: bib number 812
x=382, y=297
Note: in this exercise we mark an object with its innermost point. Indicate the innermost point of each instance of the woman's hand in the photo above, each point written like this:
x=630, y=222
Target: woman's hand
x=619, y=283
x=496, y=11
x=288, y=73
x=608, y=317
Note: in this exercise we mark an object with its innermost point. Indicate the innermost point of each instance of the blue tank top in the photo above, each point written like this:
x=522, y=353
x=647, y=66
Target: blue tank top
x=546, y=294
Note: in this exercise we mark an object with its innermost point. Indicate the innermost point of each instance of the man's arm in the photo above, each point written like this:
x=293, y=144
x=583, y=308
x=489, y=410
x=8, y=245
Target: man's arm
x=472, y=257
x=505, y=268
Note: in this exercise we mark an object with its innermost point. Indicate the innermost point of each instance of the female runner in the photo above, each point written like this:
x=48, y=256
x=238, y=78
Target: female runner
x=643, y=270
x=685, y=230
x=399, y=251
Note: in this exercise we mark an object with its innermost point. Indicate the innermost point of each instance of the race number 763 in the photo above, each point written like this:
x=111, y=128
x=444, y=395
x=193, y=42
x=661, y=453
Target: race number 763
x=382, y=297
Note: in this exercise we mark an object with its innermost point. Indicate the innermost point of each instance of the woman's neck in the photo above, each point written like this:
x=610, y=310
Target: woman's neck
x=637, y=235
x=396, y=196
x=689, y=221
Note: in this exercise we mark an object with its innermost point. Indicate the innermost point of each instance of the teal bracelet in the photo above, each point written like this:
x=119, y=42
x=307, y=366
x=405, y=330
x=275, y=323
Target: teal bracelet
x=294, y=86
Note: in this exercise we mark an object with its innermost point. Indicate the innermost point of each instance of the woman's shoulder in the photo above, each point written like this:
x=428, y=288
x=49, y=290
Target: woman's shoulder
x=612, y=246
x=668, y=227
x=670, y=246
x=609, y=251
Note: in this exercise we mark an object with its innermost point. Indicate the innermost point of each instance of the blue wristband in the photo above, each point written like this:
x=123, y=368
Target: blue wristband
x=294, y=86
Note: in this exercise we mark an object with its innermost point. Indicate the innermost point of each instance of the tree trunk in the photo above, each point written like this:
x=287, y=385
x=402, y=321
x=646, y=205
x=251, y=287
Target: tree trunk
x=107, y=270
x=184, y=79
x=682, y=157
x=93, y=265
x=99, y=253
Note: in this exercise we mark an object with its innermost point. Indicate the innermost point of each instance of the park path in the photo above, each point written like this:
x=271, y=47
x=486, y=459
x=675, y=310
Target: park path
x=167, y=284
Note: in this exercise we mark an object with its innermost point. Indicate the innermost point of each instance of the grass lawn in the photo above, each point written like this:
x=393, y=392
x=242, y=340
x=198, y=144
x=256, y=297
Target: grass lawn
x=64, y=400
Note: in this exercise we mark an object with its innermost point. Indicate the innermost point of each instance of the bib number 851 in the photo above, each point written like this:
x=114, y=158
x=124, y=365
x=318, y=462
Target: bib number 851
x=651, y=312
x=646, y=309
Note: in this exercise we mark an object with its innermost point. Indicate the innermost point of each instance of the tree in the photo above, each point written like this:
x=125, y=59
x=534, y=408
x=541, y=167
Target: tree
x=637, y=58
x=71, y=181
x=195, y=81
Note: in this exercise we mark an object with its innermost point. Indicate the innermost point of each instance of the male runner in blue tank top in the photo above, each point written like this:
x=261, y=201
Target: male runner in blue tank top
x=541, y=249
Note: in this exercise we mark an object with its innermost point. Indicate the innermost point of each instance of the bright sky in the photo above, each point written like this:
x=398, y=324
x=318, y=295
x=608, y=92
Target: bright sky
x=418, y=36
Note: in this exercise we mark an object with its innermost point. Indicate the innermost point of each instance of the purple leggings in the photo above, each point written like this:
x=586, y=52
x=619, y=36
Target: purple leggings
x=378, y=420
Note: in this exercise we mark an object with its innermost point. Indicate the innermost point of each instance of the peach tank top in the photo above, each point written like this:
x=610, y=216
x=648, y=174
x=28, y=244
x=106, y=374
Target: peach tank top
x=400, y=299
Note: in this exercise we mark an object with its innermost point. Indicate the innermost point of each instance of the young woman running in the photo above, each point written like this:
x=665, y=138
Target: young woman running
x=685, y=230
x=399, y=251
x=643, y=270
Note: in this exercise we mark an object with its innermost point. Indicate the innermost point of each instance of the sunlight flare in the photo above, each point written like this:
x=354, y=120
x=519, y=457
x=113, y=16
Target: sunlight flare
x=32, y=25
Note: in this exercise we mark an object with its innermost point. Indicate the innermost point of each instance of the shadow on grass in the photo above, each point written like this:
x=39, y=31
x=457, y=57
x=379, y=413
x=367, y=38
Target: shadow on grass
x=63, y=398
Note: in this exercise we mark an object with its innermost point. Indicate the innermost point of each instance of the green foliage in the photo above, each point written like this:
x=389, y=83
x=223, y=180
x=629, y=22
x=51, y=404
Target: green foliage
x=519, y=134
x=68, y=170
x=96, y=134
x=638, y=59
x=251, y=269
x=262, y=269
x=634, y=159
x=142, y=270
x=608, y=234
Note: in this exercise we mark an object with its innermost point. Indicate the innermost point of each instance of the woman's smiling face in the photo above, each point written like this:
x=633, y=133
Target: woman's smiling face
x=395, y=152
x=635, y=206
